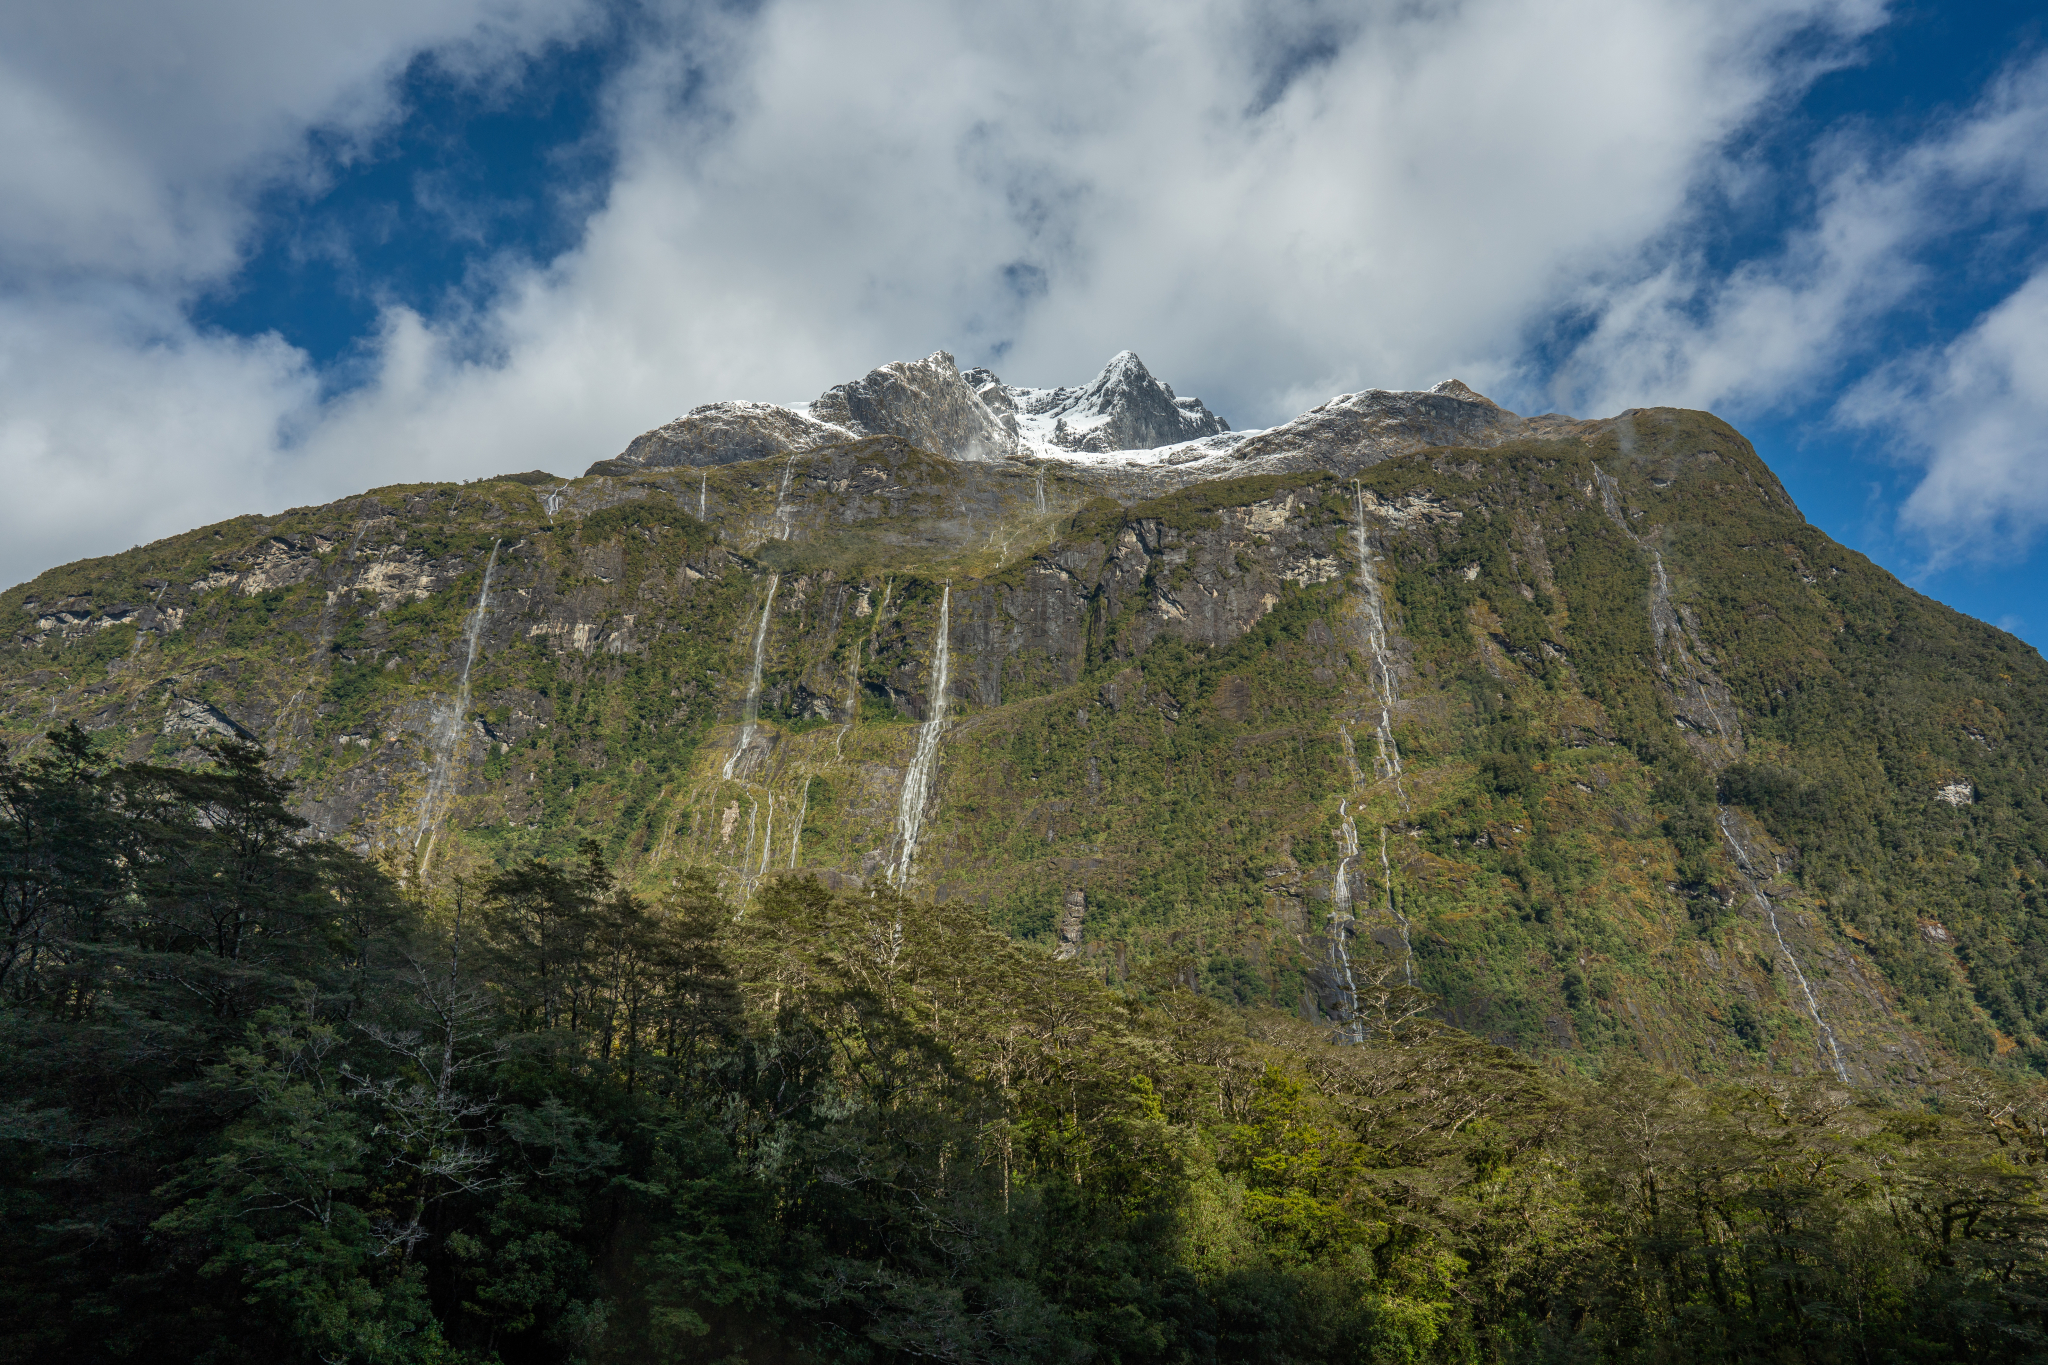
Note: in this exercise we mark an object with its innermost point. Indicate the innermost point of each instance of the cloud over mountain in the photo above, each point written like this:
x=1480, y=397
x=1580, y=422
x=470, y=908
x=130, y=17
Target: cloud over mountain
x=1273, y=203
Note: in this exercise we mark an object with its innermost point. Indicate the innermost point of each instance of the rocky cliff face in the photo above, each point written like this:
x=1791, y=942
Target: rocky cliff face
x=724, y=433
x=933, y=405
x=1122, y=409
x=1564, y=721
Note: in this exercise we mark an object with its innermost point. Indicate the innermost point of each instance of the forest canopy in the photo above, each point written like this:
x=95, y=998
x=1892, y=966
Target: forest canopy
x=263, y=1098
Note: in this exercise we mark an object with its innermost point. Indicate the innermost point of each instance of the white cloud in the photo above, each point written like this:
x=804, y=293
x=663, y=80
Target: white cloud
x=1975, y=414
x=845, y=185
x=1272, y=200
x=1780, y=327
x=136, y=133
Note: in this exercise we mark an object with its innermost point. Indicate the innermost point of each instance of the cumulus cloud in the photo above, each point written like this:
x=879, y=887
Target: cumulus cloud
x=137, y=134
x=1272, y=200
x=1974, y=412
x=1668, y=328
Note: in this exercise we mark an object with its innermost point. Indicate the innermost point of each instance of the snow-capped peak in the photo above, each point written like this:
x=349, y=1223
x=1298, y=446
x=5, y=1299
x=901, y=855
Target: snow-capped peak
x=1123, y=408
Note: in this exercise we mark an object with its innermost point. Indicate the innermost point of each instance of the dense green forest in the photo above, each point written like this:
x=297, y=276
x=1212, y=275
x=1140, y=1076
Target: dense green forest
x=268, y=1100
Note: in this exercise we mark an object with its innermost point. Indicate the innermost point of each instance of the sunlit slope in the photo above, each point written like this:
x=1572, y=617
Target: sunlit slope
x=1592, y=736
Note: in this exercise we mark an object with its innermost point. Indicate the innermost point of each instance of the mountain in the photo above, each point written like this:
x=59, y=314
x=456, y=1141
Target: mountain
x=933, y=405
x=1577, y=725
x=1123, y=408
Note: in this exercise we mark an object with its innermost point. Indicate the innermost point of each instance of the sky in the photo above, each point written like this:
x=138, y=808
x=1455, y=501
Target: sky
x=260, y=253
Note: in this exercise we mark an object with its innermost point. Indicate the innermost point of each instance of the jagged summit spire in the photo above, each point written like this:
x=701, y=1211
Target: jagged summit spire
x=1123, y=408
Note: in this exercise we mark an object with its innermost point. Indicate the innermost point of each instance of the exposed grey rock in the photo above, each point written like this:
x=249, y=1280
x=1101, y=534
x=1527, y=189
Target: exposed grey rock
x=724, y=433
x=189, y=717
x=1355, y=430
x=993, y=392
x=926, y=402
x=1068, y=928
x=1125, y=408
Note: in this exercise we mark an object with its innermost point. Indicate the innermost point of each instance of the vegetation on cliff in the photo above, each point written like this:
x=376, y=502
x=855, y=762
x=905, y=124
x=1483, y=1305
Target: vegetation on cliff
x=1589, y=733
x=266, y=1101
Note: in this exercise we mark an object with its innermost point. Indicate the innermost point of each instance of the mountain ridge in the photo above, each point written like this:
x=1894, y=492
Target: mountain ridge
x=1578, y=722
x=1124, y=431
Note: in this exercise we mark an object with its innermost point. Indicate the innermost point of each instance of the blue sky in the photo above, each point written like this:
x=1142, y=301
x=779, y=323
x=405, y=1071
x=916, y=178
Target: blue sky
x=259, y=254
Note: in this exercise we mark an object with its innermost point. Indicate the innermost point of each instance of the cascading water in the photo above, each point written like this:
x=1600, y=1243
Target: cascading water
x=1744, y=866
x=449, y=727
x=750, y=716
x=853, y=683
x=1376, y=641
x=704, y=496
x=782, y=527
x=1387, y=761
x=918, y=780
x=1041, y=492
x=1347, y=847
x=1348, y=1029
x=796, y=835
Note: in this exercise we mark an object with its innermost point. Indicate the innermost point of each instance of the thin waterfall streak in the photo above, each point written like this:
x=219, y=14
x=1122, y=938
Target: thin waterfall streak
x=1389, y=756
x=782, y=527
x=767, y=842
x=450, y=728
x=1349, y=1028
x=750, y=714
x=704, y=496
x=918, y=780
x=1041, y=492
x=796, y=835
x=1756, y=893
x=1341, y=921
x=1665, y=625
x=1347, y=848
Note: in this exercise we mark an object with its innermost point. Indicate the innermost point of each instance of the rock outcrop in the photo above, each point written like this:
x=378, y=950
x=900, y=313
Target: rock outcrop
x=1355, y=430
x=1122, y=408
x=927, y=403
x=724, y=433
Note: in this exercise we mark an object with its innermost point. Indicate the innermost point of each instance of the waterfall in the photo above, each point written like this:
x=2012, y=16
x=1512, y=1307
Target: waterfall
x=1743, y=865
x=1340, y=926
x=1340, y=888
x=918, y=780
x=796, y=835
x=853, y=683
x=1350, y=1029
x=782, y=517
x=1041, y=491
x=750, y=715
x=449, y=730
x=1376, y=642
x=703, y=495
x=1388, y=759
x=1690, y=677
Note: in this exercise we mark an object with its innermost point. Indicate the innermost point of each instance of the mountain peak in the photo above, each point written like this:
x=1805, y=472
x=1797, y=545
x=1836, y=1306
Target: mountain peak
x=1123, y=408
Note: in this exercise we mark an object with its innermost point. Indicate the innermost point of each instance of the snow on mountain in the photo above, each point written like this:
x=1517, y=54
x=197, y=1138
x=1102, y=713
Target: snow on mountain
x=927, y=403
x=1125, y=427
x=1124, y=408
x=725, y=433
